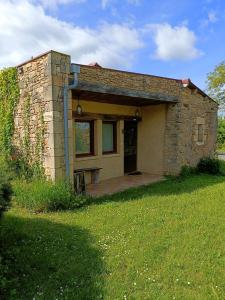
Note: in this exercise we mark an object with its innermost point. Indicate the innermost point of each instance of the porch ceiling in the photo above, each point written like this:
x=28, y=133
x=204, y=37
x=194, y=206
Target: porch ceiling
x=115, y=95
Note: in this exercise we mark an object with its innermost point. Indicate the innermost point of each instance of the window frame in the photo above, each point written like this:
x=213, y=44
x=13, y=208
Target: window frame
x=114, y=123
x=92, y=136
x=200, y=131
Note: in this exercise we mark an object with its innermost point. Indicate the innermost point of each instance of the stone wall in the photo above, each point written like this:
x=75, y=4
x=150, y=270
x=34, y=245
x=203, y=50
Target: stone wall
x=39, y=113
x=181, y=136
x=196, y=110
x=128, y=80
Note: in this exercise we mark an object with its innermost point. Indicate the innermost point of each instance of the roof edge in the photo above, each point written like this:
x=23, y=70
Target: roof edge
x=129, y=72
x=39, y=56
x=185, y=82
x=188, y=83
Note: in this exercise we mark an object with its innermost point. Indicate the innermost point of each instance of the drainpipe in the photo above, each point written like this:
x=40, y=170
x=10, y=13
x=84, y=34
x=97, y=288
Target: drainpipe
x=75, y=69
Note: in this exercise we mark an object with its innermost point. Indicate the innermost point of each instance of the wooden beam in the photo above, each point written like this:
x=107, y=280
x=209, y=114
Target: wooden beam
x=105, y=117
x=111, y=90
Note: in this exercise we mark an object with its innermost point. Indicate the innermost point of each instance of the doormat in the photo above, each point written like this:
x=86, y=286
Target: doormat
x=135, y=173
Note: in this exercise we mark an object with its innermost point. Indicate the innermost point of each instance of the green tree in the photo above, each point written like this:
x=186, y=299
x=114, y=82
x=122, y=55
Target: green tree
x=221, y=134
x=216, y=84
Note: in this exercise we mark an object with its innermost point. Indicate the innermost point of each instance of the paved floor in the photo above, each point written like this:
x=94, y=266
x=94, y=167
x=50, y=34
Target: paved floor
x=118, y=184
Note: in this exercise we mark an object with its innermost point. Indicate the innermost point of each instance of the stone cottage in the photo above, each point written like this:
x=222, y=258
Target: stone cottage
x=116, y=122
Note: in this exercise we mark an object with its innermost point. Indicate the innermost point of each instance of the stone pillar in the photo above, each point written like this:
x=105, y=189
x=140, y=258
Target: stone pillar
x=60, y=71
x=171, y=143
x=41, y=82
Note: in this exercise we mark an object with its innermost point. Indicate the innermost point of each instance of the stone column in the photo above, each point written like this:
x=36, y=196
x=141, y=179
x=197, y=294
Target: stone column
x=60, y=71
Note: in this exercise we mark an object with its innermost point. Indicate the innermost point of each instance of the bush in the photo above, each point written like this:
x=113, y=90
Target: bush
x=209, y=165
x=5, y=187
x=5, y=194
x=187, y=171
x=43, y=196
x=221, y=134
x=222, y=167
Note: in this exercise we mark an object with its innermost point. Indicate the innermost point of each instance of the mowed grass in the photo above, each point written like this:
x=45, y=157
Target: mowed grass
x=163, y=241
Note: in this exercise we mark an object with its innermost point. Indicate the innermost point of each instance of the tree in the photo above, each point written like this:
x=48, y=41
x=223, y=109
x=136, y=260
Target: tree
x=216, y=84
x=221, y=134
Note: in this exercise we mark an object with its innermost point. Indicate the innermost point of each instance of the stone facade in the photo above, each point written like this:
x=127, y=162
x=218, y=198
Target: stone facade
x=34, y=103
x=181, y=137
x=42, y=80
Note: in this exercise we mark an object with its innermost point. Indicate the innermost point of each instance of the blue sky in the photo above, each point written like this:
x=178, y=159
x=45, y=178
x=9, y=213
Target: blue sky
x=171, y=38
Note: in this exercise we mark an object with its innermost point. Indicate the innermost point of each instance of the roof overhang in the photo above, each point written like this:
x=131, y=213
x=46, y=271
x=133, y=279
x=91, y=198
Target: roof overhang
x=115, y=95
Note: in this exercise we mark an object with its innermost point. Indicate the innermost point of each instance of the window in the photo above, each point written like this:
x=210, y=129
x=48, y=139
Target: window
x=109, y=137
x=200, y=133
x=84, y=138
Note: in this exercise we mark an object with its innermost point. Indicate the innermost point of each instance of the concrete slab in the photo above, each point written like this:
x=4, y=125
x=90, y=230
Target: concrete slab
x=118, y=184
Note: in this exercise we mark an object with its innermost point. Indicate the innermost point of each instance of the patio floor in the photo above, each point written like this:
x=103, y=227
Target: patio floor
x=118, y=184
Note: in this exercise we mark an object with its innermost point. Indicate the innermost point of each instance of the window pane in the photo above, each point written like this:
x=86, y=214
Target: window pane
x=83, y=137
x=107, y=137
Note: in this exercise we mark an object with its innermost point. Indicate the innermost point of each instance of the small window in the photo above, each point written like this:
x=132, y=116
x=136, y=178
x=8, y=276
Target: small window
x=84, y=138
x=109, y=137
x=200, y=133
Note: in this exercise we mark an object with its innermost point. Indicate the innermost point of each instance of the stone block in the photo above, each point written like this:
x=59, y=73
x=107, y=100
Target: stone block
x=48, y=116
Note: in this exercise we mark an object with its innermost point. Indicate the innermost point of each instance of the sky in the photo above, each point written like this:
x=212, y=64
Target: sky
x=171, y=38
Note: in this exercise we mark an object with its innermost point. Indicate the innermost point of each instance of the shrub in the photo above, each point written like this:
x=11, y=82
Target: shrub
x=5, y=187
x=43, y=196
x=187, y=171
x=221, y=133
x=222, y=167
x=209, y=165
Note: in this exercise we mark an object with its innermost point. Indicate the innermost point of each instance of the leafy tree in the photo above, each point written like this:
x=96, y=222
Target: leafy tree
x=216, y=84
x=221, y=133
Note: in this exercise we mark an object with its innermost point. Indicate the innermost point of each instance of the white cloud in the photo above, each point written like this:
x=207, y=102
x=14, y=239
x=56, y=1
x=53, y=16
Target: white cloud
x=105, y=3
x=174, y=43
x=55, y=3
x=26, y=30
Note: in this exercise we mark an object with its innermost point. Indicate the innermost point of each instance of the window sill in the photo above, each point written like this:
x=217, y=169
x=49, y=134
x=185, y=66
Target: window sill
x=116, y=154
x=95, y=157
x=88, y=157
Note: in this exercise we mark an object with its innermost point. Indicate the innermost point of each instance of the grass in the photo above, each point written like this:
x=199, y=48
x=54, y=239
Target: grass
x=42, y=196
x=163, y=241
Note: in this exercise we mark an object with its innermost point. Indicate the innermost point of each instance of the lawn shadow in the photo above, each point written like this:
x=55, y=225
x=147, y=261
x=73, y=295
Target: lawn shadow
x=171, y=186
x=48, y=260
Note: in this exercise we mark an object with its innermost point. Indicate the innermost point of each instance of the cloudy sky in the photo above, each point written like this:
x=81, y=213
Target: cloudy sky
x=180, y=39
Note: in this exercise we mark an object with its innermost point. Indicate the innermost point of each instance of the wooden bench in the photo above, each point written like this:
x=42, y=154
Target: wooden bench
x=79, y=178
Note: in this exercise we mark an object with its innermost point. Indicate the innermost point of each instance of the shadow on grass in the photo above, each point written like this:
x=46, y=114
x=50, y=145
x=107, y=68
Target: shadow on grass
x=48, y=260
x=171, y=186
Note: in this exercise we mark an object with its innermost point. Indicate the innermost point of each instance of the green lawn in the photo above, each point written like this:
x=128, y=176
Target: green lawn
x=164, y=241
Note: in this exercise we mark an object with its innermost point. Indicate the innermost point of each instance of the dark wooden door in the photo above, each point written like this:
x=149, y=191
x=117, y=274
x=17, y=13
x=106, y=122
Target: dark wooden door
x=130, y=146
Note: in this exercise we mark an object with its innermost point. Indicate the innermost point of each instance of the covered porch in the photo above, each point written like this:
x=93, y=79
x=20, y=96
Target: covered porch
x=118, y=131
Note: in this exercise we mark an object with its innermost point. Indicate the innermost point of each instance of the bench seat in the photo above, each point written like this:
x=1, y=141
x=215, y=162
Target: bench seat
x=92, y=169
x=94, y=173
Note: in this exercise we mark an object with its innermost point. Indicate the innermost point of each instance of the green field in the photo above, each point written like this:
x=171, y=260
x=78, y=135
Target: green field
x=164, y=241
